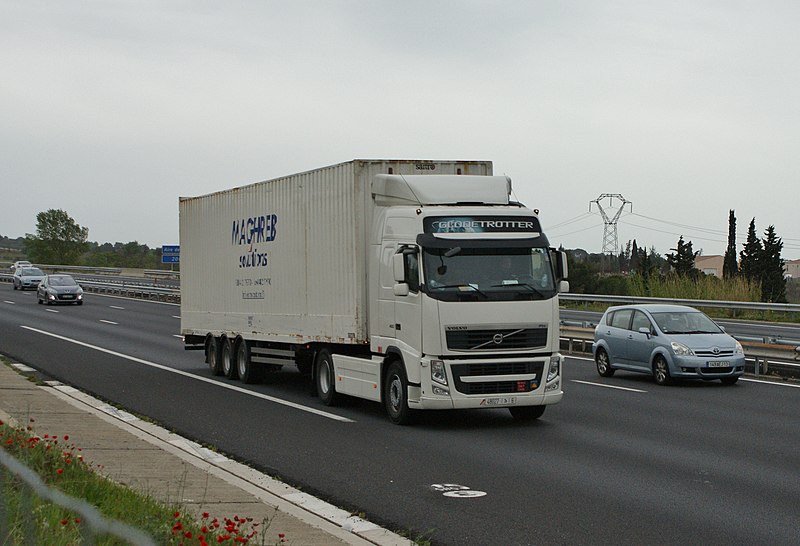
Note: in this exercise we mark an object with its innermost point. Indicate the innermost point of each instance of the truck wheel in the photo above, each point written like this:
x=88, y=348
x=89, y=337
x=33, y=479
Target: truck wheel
x=228, y=359
x=326, y=378
x=213, y=356
x=395, y=394
x=527, y=413
x=248, y=371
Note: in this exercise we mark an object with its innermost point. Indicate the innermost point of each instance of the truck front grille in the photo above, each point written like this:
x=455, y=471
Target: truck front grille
x=506, y=386
x=493, y=339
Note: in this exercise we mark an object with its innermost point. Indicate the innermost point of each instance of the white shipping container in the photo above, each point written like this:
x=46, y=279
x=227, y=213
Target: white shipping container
x=285, y=259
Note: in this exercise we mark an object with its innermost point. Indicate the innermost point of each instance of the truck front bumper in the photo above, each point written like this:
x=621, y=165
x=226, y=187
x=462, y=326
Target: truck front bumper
x=498, y=382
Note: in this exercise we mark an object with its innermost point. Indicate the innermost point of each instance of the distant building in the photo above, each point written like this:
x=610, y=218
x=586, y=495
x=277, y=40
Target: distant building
x=792, y=269
x=710, y=265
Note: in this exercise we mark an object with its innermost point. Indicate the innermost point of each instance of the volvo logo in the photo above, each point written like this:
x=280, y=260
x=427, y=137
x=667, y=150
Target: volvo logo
x=498, y=338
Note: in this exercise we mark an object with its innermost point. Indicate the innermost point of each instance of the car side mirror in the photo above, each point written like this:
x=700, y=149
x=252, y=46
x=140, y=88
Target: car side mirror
x=645, y=330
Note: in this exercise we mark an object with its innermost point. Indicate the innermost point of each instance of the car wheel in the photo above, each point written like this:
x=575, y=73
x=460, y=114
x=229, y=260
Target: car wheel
x=228, y=359
x=78, y=303
x=214, y=356
x=325, y=378
x=729, y=380
x=395, y=394
x=603, y=364
x=527, y=413
x=661, y=371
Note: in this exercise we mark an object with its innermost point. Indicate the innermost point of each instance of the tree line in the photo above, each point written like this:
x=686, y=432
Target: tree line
x=756, y=272
x=59, y=240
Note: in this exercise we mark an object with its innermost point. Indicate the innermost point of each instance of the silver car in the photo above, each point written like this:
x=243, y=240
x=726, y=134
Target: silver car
x=27, y=277
x=59, y=289
x=667, y=341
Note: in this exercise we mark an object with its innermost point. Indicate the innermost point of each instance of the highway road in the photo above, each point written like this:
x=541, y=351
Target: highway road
x=620, y=460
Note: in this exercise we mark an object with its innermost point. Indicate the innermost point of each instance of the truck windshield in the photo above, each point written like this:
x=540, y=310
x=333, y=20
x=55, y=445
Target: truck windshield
x=497, y=274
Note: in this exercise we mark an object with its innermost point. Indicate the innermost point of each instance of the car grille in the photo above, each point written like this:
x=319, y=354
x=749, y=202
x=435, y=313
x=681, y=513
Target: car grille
x=492, y=369
x=715, y=371
x=493, y=339
x=711, y=354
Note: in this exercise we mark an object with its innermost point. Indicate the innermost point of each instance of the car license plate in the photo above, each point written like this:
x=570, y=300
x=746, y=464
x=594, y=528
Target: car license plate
x=718, y=364
x=499, y=401
x=67, y=297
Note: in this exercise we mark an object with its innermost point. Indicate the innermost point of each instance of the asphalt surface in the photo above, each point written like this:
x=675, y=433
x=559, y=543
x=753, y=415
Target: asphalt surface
x=620, y=460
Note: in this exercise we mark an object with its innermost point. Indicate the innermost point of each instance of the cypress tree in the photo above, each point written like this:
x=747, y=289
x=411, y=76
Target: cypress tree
x=773, y=282
x=749, y=256
x=682, y=261
x=730, y=266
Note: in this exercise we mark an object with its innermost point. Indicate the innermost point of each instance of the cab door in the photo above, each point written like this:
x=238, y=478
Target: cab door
x=408, y=306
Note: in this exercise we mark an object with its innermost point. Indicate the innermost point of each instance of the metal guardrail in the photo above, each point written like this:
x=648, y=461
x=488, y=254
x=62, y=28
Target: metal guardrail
x=782, y=358
x=95, y=523
x=748, y=305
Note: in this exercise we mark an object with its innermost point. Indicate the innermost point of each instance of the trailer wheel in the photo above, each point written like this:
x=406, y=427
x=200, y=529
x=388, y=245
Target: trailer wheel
x=248, y=371
x=228, y=359
x=325, y=378
x=395, y=394
x=213, y=356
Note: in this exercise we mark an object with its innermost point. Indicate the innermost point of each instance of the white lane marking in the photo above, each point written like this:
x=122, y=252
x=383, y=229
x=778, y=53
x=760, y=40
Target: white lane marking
x=587, y=359
x=770, y=383
x=178, y=336
x=9, y=302
x=51, y=310
x=116, y=307
x=196, y=377
x=606, y=386
x=109, y=322
x=176, y=316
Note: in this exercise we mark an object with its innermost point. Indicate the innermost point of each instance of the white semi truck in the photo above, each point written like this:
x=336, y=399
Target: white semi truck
x=416, y=284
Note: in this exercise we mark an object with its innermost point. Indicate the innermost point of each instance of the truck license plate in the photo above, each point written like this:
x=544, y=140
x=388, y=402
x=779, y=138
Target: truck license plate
x=499, y=401
x=718, y=364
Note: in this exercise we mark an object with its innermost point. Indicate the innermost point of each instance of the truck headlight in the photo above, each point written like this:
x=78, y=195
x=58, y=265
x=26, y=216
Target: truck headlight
x=555, y=368
x=438, y=373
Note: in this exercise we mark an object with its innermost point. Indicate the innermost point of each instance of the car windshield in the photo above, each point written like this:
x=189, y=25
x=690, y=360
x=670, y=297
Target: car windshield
x=470, y=274
x=62, y=280
x=685, y=322
x=32, y=272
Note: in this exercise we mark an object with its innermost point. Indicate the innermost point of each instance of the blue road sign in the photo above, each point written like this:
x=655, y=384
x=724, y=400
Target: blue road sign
x=171, y=249
x=170, y=259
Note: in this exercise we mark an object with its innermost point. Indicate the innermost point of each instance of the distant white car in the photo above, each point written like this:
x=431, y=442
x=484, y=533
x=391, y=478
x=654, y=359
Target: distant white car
x=27, y=277
x=21, y=263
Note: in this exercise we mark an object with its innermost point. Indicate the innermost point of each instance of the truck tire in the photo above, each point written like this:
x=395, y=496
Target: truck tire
x=325, y=378
x=228, y=359
x=247, y=370
x=213, y=355
x=395, y=394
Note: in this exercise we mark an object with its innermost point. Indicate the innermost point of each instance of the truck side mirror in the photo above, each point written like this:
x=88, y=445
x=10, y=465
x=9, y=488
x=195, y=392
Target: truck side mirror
x=398, y=267
x=563, y=287
x=400, y=289
x=562, y=270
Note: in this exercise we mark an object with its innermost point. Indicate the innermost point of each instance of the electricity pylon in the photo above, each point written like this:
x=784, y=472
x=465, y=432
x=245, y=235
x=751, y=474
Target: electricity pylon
x=610, y=241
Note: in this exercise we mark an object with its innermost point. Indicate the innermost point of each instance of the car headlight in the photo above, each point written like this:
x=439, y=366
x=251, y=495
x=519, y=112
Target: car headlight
x=738, y=350
x=555, y=368
x=438, y=372
x=681, y=350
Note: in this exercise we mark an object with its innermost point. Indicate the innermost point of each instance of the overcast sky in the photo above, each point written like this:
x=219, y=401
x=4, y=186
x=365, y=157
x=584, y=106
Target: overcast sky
x=111, y=110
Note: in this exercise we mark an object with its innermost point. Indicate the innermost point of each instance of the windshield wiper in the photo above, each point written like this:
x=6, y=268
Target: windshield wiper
x=472, y=286
x=523, y=284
